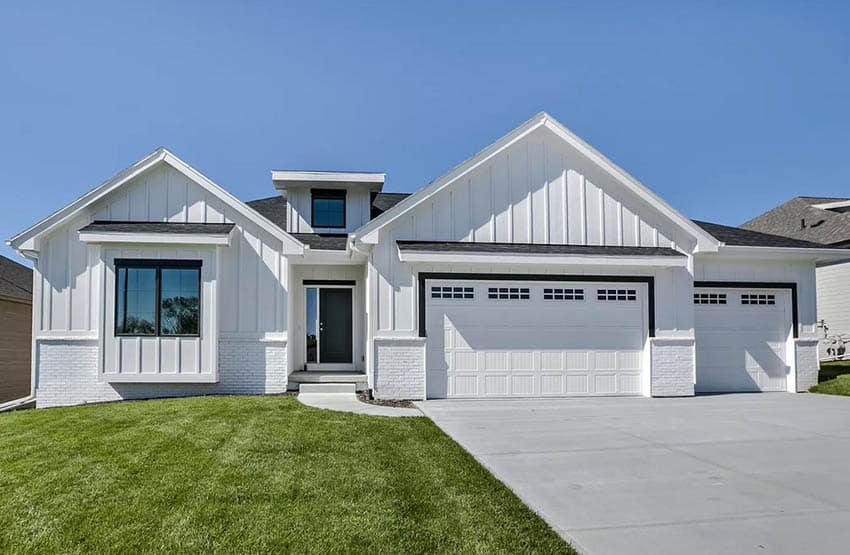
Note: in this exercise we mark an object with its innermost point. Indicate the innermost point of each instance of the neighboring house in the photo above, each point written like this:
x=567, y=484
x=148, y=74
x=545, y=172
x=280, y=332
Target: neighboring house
x=15, y=330
x=535, y=268
x=825, y=221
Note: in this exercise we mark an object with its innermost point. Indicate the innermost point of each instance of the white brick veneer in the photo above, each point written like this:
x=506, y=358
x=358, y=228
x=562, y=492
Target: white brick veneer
x=807, y=363
x=672, y=366
x=67, y=374
x=399, y=368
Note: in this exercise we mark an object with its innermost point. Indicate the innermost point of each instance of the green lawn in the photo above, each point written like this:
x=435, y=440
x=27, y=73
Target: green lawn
x=248, y=474
x=834, y=378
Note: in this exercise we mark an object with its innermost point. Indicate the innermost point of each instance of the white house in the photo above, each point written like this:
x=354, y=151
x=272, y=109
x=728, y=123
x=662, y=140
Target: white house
x=825, y=221
x=535, y=268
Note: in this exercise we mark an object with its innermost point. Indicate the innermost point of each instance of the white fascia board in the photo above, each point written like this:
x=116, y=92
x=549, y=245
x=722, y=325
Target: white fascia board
x=367, y=232
x=28, y=239
x=705, y=241
x=781, y=253
x=542, y=259
x=831, y=205
x=333, y=177
x=216, y=239
x=318, y=256
x=25, y=239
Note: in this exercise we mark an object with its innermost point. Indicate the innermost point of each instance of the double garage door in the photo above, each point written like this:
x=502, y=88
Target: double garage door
x=742, y=338
x=537, y=339
x=529, y=339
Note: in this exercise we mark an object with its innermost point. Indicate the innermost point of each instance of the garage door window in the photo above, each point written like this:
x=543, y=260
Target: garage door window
x=452, y=292
x=758, y=298
x=616, y=294
x=559, y=294
x=509, y=293
x=709, y=298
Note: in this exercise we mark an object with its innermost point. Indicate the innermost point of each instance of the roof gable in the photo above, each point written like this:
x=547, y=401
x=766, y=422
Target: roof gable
x=702, y=240
x=27, y=240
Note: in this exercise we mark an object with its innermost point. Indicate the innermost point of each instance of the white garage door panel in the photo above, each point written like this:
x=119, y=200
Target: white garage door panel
x=533, y=347
x=742, y=347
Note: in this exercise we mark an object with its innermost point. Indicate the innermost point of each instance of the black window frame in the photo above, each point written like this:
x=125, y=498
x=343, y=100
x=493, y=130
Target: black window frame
x=158, y=265
x=454, y=292
x=616, y=295
x=509, y=293
x=328, y=194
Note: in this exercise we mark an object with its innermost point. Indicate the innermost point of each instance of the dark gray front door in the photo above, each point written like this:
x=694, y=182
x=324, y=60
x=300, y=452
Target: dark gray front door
x=335, y=329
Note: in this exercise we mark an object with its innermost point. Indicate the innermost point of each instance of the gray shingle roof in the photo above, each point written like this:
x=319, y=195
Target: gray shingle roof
x=158, y=227
x=273, y=208
x=532, y=248
x=323, y=241
x=821, y=226
x=15, y=279
x=381, y=202
x=737, y=236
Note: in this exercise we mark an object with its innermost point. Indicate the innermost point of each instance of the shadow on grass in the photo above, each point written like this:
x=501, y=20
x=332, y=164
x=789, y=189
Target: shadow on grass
x=831, y=370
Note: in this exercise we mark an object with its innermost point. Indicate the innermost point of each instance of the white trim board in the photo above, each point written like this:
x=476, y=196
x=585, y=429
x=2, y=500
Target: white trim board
x=368, y=232
x=27, y=240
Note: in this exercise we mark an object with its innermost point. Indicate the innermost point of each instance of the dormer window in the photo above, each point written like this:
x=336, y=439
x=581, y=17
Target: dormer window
x=328, y=208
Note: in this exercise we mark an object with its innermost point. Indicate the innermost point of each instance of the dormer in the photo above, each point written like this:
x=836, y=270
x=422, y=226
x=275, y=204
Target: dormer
x=327, y=202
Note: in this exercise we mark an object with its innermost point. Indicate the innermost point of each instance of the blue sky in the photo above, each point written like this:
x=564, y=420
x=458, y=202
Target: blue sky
x=724, y=110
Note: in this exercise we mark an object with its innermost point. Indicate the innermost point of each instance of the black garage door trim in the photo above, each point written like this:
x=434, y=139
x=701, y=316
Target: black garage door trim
x=760, y=285
x=648, y=280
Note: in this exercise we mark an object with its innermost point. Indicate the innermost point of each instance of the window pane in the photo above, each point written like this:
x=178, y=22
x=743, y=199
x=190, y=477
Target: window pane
x=328, y=212
x=180, y=301
x=311, y=317
x=136, y=313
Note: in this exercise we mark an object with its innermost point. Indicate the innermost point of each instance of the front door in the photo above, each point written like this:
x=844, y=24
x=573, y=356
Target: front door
x=329, y=327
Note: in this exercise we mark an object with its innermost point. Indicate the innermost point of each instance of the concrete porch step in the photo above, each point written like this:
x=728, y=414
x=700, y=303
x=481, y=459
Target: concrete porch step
x=326, y=388
x=350, y=381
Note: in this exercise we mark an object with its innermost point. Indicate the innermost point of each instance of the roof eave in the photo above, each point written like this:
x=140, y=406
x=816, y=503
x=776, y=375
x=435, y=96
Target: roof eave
x=815, y=254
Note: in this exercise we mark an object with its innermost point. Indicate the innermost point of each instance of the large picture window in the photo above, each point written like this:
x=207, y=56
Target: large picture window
x=157, y=297
x=328, y=208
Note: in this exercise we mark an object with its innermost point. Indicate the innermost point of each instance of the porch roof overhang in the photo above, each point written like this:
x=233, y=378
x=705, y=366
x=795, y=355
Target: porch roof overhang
x=537, y=254
x=157, y=233
x=327, y=248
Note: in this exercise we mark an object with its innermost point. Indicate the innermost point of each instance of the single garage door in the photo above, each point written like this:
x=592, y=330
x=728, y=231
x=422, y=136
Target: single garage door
x=529, y=339
x=742, y=339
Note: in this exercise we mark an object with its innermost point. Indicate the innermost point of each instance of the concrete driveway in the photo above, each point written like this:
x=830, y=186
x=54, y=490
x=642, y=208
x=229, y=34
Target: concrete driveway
x=750, y=473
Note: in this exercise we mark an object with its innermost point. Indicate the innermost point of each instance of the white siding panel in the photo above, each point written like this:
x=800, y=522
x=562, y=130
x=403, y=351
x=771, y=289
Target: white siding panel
x=253, y=292
x=538, y=189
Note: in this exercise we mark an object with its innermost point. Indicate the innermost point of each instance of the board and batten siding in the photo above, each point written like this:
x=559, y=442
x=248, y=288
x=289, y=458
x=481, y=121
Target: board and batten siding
x=253, y=275
x=539, y=190
x=358, y=206
x=833, y=284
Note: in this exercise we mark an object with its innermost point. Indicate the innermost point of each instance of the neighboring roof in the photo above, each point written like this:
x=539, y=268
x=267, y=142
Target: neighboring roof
x=15, y=280
x=381, y=202
x=541, y=120
x=158, y=227
x=799, y=218
x=736, y=236
x=532, y=248
x=272, y=208
x=27, y=239
x=323, y=241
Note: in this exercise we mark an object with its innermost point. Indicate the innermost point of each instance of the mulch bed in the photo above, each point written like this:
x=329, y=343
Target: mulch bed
x=363, y=397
